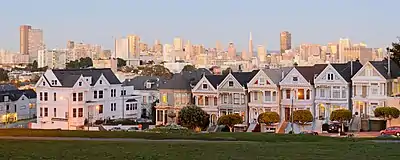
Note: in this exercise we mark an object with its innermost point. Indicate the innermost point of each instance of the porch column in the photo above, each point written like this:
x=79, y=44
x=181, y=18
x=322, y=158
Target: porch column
x=204, y=100
x=163, y=116
x=156, y=115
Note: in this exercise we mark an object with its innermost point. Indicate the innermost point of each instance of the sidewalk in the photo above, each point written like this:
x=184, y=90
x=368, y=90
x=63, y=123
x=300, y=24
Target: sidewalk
x=356, y=134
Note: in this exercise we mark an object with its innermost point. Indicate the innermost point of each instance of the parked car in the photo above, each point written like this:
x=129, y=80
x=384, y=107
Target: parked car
x=394, y=130
x=334, y=128
x=132, y=129
x=116, y=129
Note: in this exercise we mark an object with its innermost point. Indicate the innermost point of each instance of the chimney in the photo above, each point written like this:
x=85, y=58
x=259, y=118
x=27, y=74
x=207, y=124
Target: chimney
x=283, y=74
x=351, y=67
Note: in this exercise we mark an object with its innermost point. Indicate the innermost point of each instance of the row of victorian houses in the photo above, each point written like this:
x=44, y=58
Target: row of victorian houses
x=321, y=89
x=68, y=97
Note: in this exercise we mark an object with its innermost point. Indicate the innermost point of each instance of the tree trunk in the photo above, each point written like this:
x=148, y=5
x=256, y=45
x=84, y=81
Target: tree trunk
x=343, y=127
x=389, y=123
x=230, y=129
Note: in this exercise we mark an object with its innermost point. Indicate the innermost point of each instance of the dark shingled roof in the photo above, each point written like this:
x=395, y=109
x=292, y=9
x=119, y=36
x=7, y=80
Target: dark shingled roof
x=14, y=95
x=382, y=67
x=140, y=82
x=309, y=72
x=7, y=87
x=215, y=80
x=68, y=77
x=185, y=80
x=344, y=69
x=244, y=77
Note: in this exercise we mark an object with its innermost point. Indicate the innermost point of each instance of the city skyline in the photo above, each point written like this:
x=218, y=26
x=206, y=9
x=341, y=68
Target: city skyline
x=90, y=24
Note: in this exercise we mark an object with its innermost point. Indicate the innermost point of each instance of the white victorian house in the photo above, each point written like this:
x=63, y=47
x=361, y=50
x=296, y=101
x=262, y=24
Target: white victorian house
x=205, y=94
x=297, y=89
x=263, y=90
x=232, y=92
x=333, y=88
x=66, y=98
x=372, y=85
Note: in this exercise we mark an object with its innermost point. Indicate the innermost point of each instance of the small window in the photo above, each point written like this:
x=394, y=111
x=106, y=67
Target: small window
x=101, y=94
x=43, y=83
x=330, y=77
x=100, y=109
x=80, y=112
x=230, y=83
x=55, y=96
x=80, y=96
x=74, y=97
x=295, y=79
x=94, y=94
x=101, y=82
x=46, y=112
x=148, y=85
x=205, y=86
x=55, y=112
x=74, y=112
x=127, y=107
x=80, y=83
x=46, y=96
x=40, y=113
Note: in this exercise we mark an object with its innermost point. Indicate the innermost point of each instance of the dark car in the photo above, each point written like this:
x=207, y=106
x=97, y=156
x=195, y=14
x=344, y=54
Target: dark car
x=334, y=128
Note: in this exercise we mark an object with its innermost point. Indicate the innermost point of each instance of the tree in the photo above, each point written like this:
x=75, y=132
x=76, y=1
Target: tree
x=396, y=53
x=388, y=113
x=172, y=116
x=268, y=118
x=230, y=120
x=341, y=115
x=156, y=70
x=192, y=117
x=3, y=75
x=302, y=117
x=81, y=63
x=226, y=71
x=189, y=68
x=121, y=62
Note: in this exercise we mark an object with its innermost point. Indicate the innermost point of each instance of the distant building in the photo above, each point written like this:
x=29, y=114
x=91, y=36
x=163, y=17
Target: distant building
x=17, y=104
x=286, y=41
x=106, y=63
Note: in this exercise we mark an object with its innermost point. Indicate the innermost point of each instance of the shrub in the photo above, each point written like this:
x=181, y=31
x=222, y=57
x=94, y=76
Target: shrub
x=341, y=115
x=172, y=128
x=302, y=117
x=193, y=117
x=268, y=118
x=230, y=120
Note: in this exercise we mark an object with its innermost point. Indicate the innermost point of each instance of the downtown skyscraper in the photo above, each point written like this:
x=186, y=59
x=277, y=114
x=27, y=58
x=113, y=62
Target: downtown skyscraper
x=286, y=41
x=31, y=41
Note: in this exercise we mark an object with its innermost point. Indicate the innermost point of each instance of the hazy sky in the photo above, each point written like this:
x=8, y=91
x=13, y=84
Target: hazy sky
x=374, y=22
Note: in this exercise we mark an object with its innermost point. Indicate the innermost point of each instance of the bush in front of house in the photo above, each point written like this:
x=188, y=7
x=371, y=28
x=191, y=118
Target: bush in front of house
x=171, y=128
x=193, y=117
x=230, y=120
x=268, y=118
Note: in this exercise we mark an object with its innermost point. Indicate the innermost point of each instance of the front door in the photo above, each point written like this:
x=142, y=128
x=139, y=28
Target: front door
x=287, y=114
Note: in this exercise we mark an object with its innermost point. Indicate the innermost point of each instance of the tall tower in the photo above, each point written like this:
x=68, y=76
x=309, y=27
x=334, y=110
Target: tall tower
x=178, y=44
x=250, y=45
x=133, y=43
x=231, y=51
x=24, y=36
x=286, y=41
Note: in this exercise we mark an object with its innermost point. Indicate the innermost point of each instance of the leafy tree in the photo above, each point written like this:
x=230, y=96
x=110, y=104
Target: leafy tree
x=396, y=52
x=192, y=117
x=172, y=116
x=268, y=118
x=388, y=113
x=230, y=120
x=121, y=62
x=3, y=75
x=302, y=117
x=35, y=65
x=156, y=70
x=189, y=68
x=226, y=71
x=341, y=115
x=35, y=78
x=81, y=63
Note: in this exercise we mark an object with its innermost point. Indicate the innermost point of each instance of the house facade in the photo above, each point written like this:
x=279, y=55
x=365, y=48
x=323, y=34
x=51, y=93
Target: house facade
x=232, y=92
x=372, y=85
x=264, y=92
x=176, y=93
x=297, y=89
x=333, y=88
x=16, y=105
x=146, y=87
x=205, y=95
x=68, y=97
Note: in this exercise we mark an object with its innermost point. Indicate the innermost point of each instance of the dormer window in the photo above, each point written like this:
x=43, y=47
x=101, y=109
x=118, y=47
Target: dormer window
x=80, y=83
x=261, y=81
x=5, y=98
x=295, y=79
x=44, y=83
x=53, y=82
x=330, y=77
x=101, y=82
x=205, y=86
x=230, y=83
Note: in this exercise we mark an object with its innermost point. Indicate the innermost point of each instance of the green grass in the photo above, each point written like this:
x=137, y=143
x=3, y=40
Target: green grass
x=259, y=137
x=12, y=149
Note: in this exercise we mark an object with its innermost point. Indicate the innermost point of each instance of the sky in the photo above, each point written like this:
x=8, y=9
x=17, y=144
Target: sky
x=202, y=22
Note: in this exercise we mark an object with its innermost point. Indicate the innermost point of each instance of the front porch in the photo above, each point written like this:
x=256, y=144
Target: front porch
x=365, y=108
x=255, y=111
x=162, y=114
x=323, y=110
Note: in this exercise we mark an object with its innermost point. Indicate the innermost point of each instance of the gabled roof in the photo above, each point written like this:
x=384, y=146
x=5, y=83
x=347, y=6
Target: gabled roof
x=140, y=82
x=309, y=72
x=68, y=77
x=7, y=87
x=215, y=80
x=244, y=77
x=185, y=80
x=382, y=67
x=344, y=69
x=276, y=74
x=14, y=95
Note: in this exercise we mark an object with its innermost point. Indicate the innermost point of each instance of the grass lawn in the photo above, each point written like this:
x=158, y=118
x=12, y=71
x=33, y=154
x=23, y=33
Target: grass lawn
x=12, y=149
x=259, y=137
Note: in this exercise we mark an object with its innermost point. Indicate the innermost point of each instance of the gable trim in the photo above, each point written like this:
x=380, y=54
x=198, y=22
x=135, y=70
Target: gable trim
x=363, y=68
x=323, y=73
x=203, y=80
x=261, y=73
x=226, y=80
